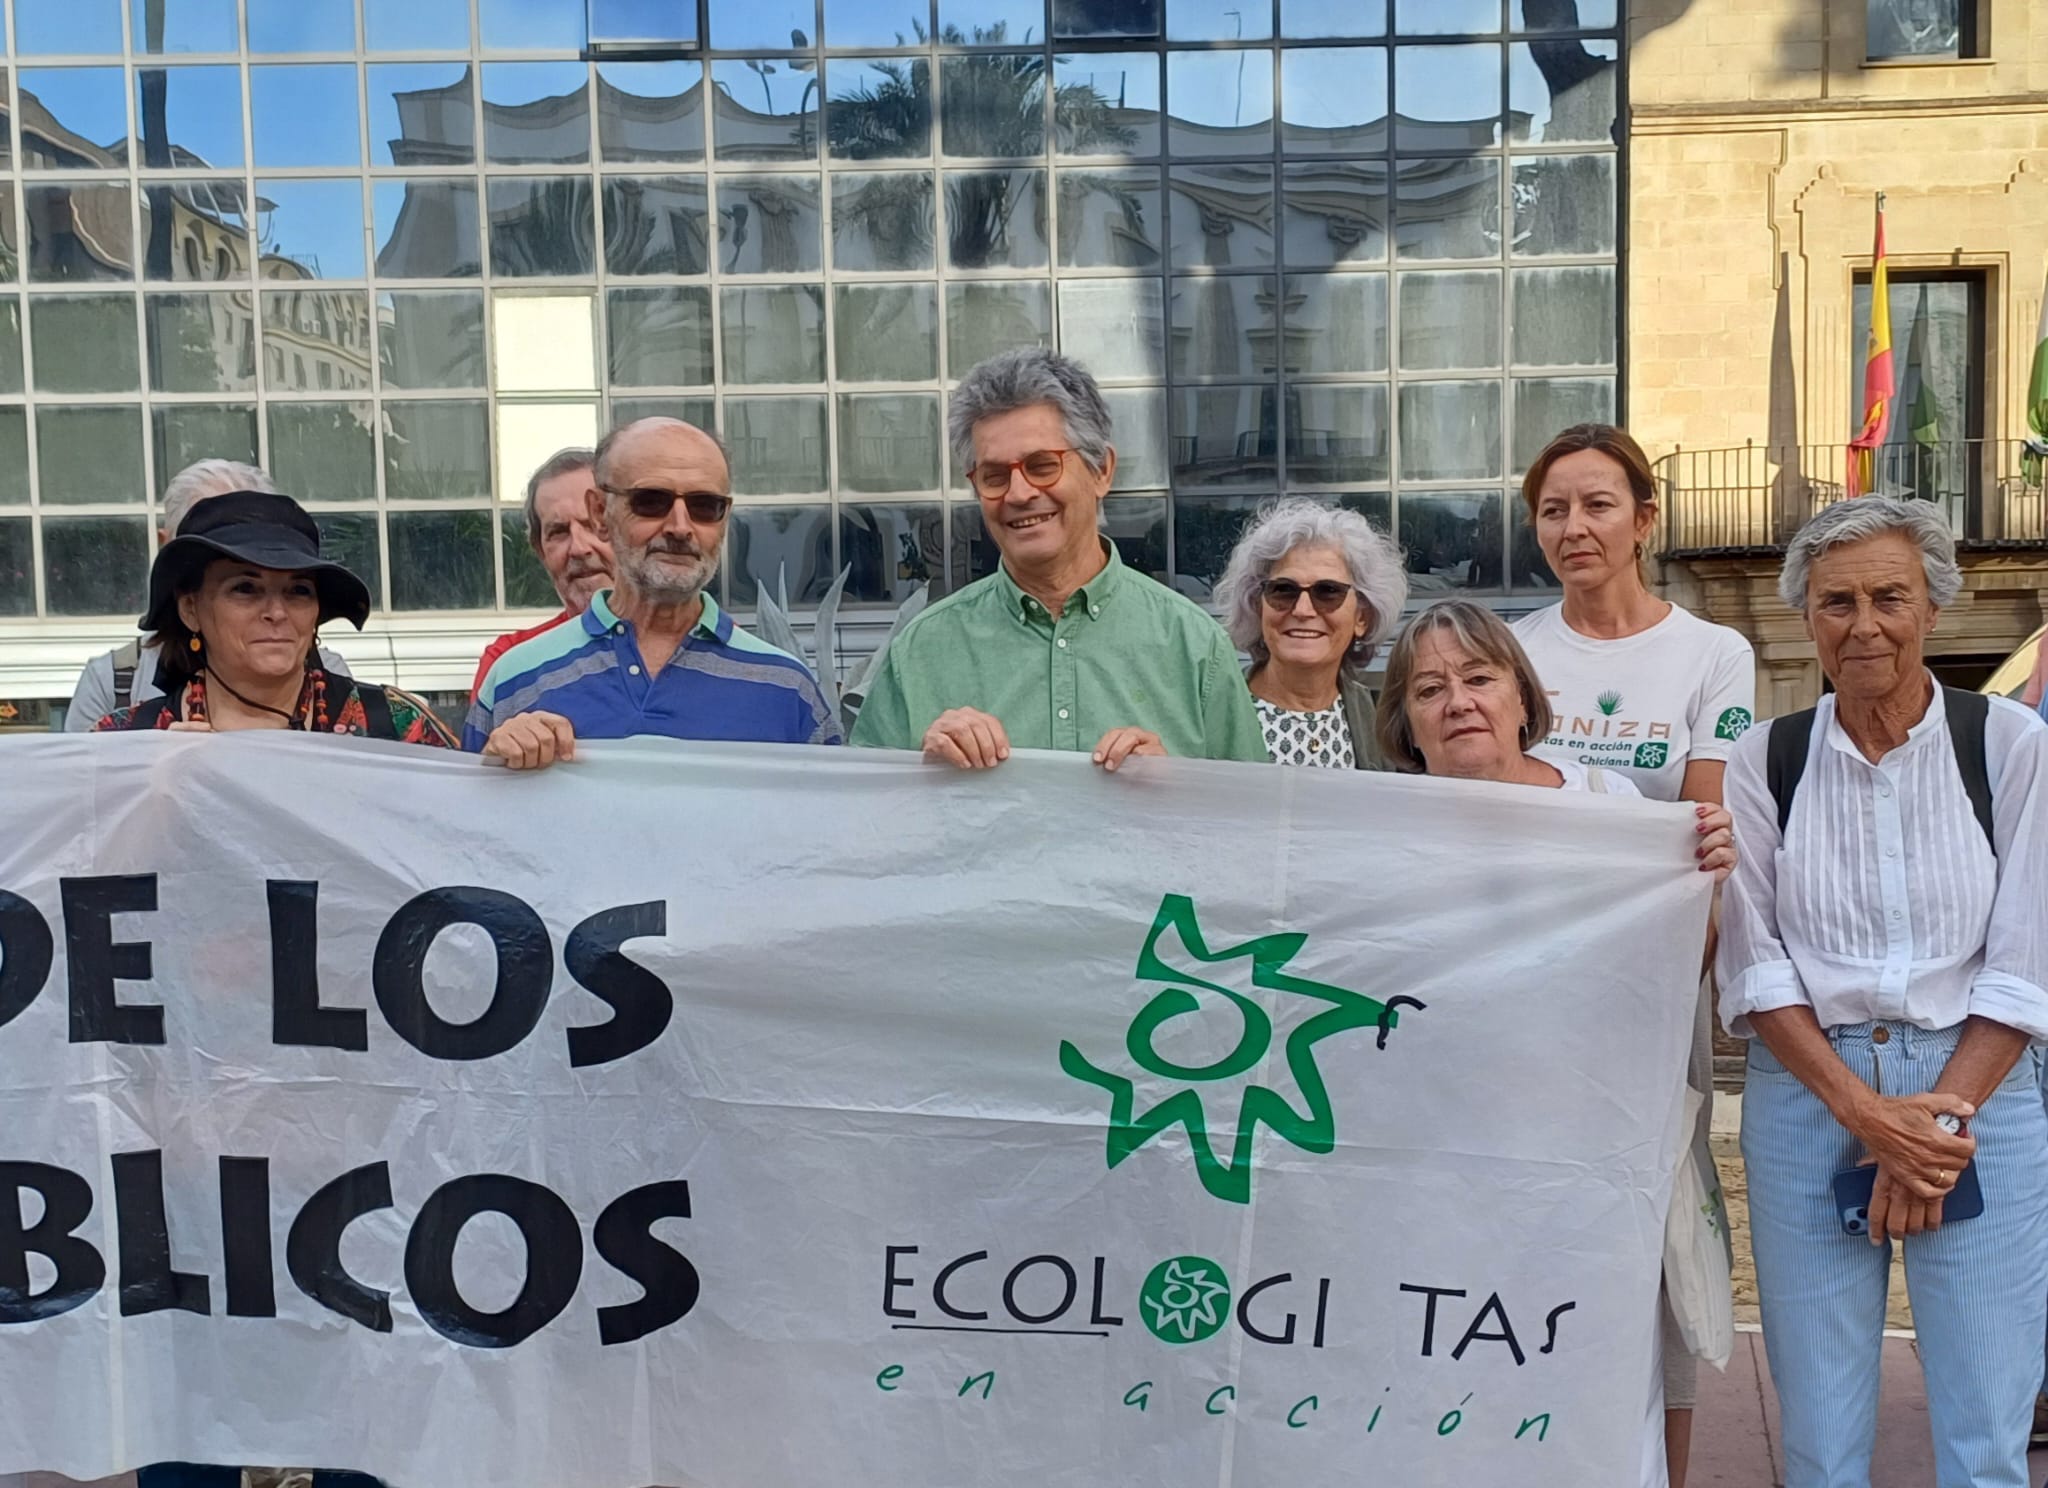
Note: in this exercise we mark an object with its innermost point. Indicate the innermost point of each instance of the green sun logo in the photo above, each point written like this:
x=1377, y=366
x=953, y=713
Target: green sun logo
x=1734, y=723
x=1177, y=954
x=1185, y=1300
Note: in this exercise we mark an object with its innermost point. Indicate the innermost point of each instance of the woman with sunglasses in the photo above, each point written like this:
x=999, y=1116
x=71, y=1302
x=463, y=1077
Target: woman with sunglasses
x=1308, y=594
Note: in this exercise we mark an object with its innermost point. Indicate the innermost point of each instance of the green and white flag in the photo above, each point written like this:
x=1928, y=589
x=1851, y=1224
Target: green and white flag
x=2035, y=461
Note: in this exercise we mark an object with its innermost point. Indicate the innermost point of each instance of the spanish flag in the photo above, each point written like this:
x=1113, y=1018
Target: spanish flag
x=1877, y=372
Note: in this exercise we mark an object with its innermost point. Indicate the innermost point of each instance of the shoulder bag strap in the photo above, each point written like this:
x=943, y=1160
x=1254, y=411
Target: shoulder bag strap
x=1968, y=714
x=1785, y=760
x=126, y=660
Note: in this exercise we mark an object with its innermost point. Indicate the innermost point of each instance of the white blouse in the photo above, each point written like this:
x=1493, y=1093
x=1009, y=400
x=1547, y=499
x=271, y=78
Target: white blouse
x=1883, y=900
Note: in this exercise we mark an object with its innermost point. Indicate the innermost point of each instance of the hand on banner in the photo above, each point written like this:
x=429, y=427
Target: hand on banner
x=1716, y=851
x=1119, y=744
x=967, y=738
x=532, y=741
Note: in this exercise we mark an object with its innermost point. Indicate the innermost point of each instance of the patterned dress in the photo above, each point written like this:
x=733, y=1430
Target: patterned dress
x=1295, y=738
x=327, y=703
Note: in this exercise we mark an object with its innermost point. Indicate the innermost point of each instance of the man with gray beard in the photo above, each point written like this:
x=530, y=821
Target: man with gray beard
x=655, y=654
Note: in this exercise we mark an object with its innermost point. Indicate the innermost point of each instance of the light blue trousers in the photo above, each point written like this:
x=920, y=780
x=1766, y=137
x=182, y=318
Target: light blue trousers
x=1979, y=1288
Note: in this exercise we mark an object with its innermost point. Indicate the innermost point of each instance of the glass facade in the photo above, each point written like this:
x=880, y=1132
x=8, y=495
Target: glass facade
x=400, y=250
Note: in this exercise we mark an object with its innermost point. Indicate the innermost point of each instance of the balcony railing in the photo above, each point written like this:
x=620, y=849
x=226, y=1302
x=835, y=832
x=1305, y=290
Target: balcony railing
x=1752, y=499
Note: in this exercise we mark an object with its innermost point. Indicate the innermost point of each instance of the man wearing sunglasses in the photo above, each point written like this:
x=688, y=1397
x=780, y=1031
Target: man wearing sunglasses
x=1062, y=647
x=655, y=654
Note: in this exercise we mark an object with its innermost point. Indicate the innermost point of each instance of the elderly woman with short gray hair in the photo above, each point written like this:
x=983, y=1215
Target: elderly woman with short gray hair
x=1885, y=950
x=1309, y=593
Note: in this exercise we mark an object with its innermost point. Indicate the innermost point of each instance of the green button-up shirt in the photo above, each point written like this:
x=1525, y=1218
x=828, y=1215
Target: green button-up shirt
x=1126, y=651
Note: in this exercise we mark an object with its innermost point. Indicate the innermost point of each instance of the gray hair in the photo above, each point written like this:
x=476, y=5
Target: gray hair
x=1873, y=516
x=204, y=478
x=1024, y=377
x=1370, y=557
x=561, y=462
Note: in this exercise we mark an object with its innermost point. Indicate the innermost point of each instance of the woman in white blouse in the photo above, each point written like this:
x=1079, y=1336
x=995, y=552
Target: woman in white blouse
x=1884, y=946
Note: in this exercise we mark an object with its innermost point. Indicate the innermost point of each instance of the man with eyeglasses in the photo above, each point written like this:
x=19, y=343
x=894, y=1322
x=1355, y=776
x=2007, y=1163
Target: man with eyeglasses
x=655, y=654
x=1062, y=647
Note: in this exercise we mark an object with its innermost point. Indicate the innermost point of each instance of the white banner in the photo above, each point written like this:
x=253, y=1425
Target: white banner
x=777, y=1118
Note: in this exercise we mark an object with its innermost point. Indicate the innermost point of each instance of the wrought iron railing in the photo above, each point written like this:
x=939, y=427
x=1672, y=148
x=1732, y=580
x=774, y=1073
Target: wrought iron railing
x=1753, y=499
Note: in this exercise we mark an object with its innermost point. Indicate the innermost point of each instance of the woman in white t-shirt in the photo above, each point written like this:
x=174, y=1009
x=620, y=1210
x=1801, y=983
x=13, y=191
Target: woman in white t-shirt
x=1643, y=688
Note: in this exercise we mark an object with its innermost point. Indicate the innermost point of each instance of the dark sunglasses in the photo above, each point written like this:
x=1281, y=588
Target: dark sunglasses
x=652, y=502
x=1327, y=595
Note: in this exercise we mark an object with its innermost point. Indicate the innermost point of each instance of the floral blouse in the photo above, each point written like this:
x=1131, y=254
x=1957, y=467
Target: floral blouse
x=327, y=704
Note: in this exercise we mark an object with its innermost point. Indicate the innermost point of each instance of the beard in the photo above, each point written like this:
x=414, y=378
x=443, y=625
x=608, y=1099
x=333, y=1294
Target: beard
x=666, y=583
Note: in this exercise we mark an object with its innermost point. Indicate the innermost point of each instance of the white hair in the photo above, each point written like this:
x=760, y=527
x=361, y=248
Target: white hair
x=204, y=478
x=1370, y=557
x=1872, y=516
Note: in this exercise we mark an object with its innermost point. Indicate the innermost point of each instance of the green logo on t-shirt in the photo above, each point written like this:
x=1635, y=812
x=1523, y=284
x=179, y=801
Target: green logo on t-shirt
x=1652, y=756
x=1734, y=724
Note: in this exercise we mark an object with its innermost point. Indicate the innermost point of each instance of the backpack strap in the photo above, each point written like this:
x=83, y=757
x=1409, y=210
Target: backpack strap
x=126, y=660
x=1968, y=714
x=376, y=711
x=1785, y=761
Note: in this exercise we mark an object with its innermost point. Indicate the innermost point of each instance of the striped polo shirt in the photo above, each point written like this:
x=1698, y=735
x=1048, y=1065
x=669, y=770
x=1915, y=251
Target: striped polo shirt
x=721, y=684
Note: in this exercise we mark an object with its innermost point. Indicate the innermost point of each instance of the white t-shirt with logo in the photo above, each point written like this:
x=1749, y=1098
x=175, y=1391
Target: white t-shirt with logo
x=1648, y=704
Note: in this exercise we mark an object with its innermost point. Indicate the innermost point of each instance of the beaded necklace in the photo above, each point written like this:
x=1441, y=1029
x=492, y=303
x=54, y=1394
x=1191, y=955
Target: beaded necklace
x=312, y=702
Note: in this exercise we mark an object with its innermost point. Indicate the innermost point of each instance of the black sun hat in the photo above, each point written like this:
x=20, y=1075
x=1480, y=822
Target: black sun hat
x=256, y=527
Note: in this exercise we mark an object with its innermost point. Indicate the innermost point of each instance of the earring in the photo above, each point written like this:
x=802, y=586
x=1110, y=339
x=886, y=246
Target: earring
x=194, y=644
x=1639, y=552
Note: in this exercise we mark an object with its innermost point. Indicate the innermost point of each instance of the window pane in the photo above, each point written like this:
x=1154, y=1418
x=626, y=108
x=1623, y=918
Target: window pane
x=1447, y=17
x=89, y=454
x=889, y=441
x=983, y=319
x=1570, y=97
x=1109, y=219
x=784, y=126
x=96, y=565
x=1137, y=525
x=206, y=232
x=67, y=27
x=10, y=348
x=1564, y=317
x=1106, y=103
x=1562, y=15
x=436, y=452
x=701, y=411
x=738, y=24
x=84, y=343
x=427, y=230
x=1450, y=430
x=769, y=224
x=316, y=340
x=778, y=445
x=1337, y=322
x=14, y=456
x=200, y=343
x=879, y=110
x=656, y=225
x=314, y=227
x=1224, y=326
x=971, y=555
x=992, y=105
x=1137, y=418
x=1225, y=437
x=1450, y=320
x=650, y=111
x=1447, y=97
x=1220, y=103
x=529, y=434
x=779, y=550
x=432, y=339
x=350, y=539
x=302, y=26
x=416, y=25
x=1114, y=327
x=1206, y=531
x=184, y=433
x=1335, y=213
x=1222, y=215
x=990, y=22
x=1337, y=435
x=536, y=113
x=187, y=26
x=1334, y=100
x=1544, y=406
x=17, y=567
x=421, y=114
x=78, y=232
x=891, y=549
x=201, y=124
x=1447, y=208
x=305, y=115
x=660, y=337
x=1216, y=20
x=1564, y=204
x=643, y=21
x=88, y=107
x=886, y=332
x=541, y=225
x=1105, y=18
x=775, y=333
x=441, y=560
x=322, y=451
x=1914, y=28
x=531, y=26
x=1312, y=20
x=1452, y=539
x=527, y=585
x=545, y=343
x=996, y=219
x=882, y=220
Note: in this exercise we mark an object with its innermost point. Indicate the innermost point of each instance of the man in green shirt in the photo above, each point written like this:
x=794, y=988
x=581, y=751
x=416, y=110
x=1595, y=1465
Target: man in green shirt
x=1062, y=647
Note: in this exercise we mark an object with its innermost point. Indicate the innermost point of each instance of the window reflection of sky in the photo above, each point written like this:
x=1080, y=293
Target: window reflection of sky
x=1218, y=20
x=190, y=26
x=202, y=113
x=643, y=20
x=435, y=125
x=416, y=25
x=302, y=25
x=305, y=114
x=1438, y=85
x=1316, y=20
x=89, y=102
x=316, y=224
x=531, y=26
x=642, y=113
x=56, y=28
x=763, y=23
